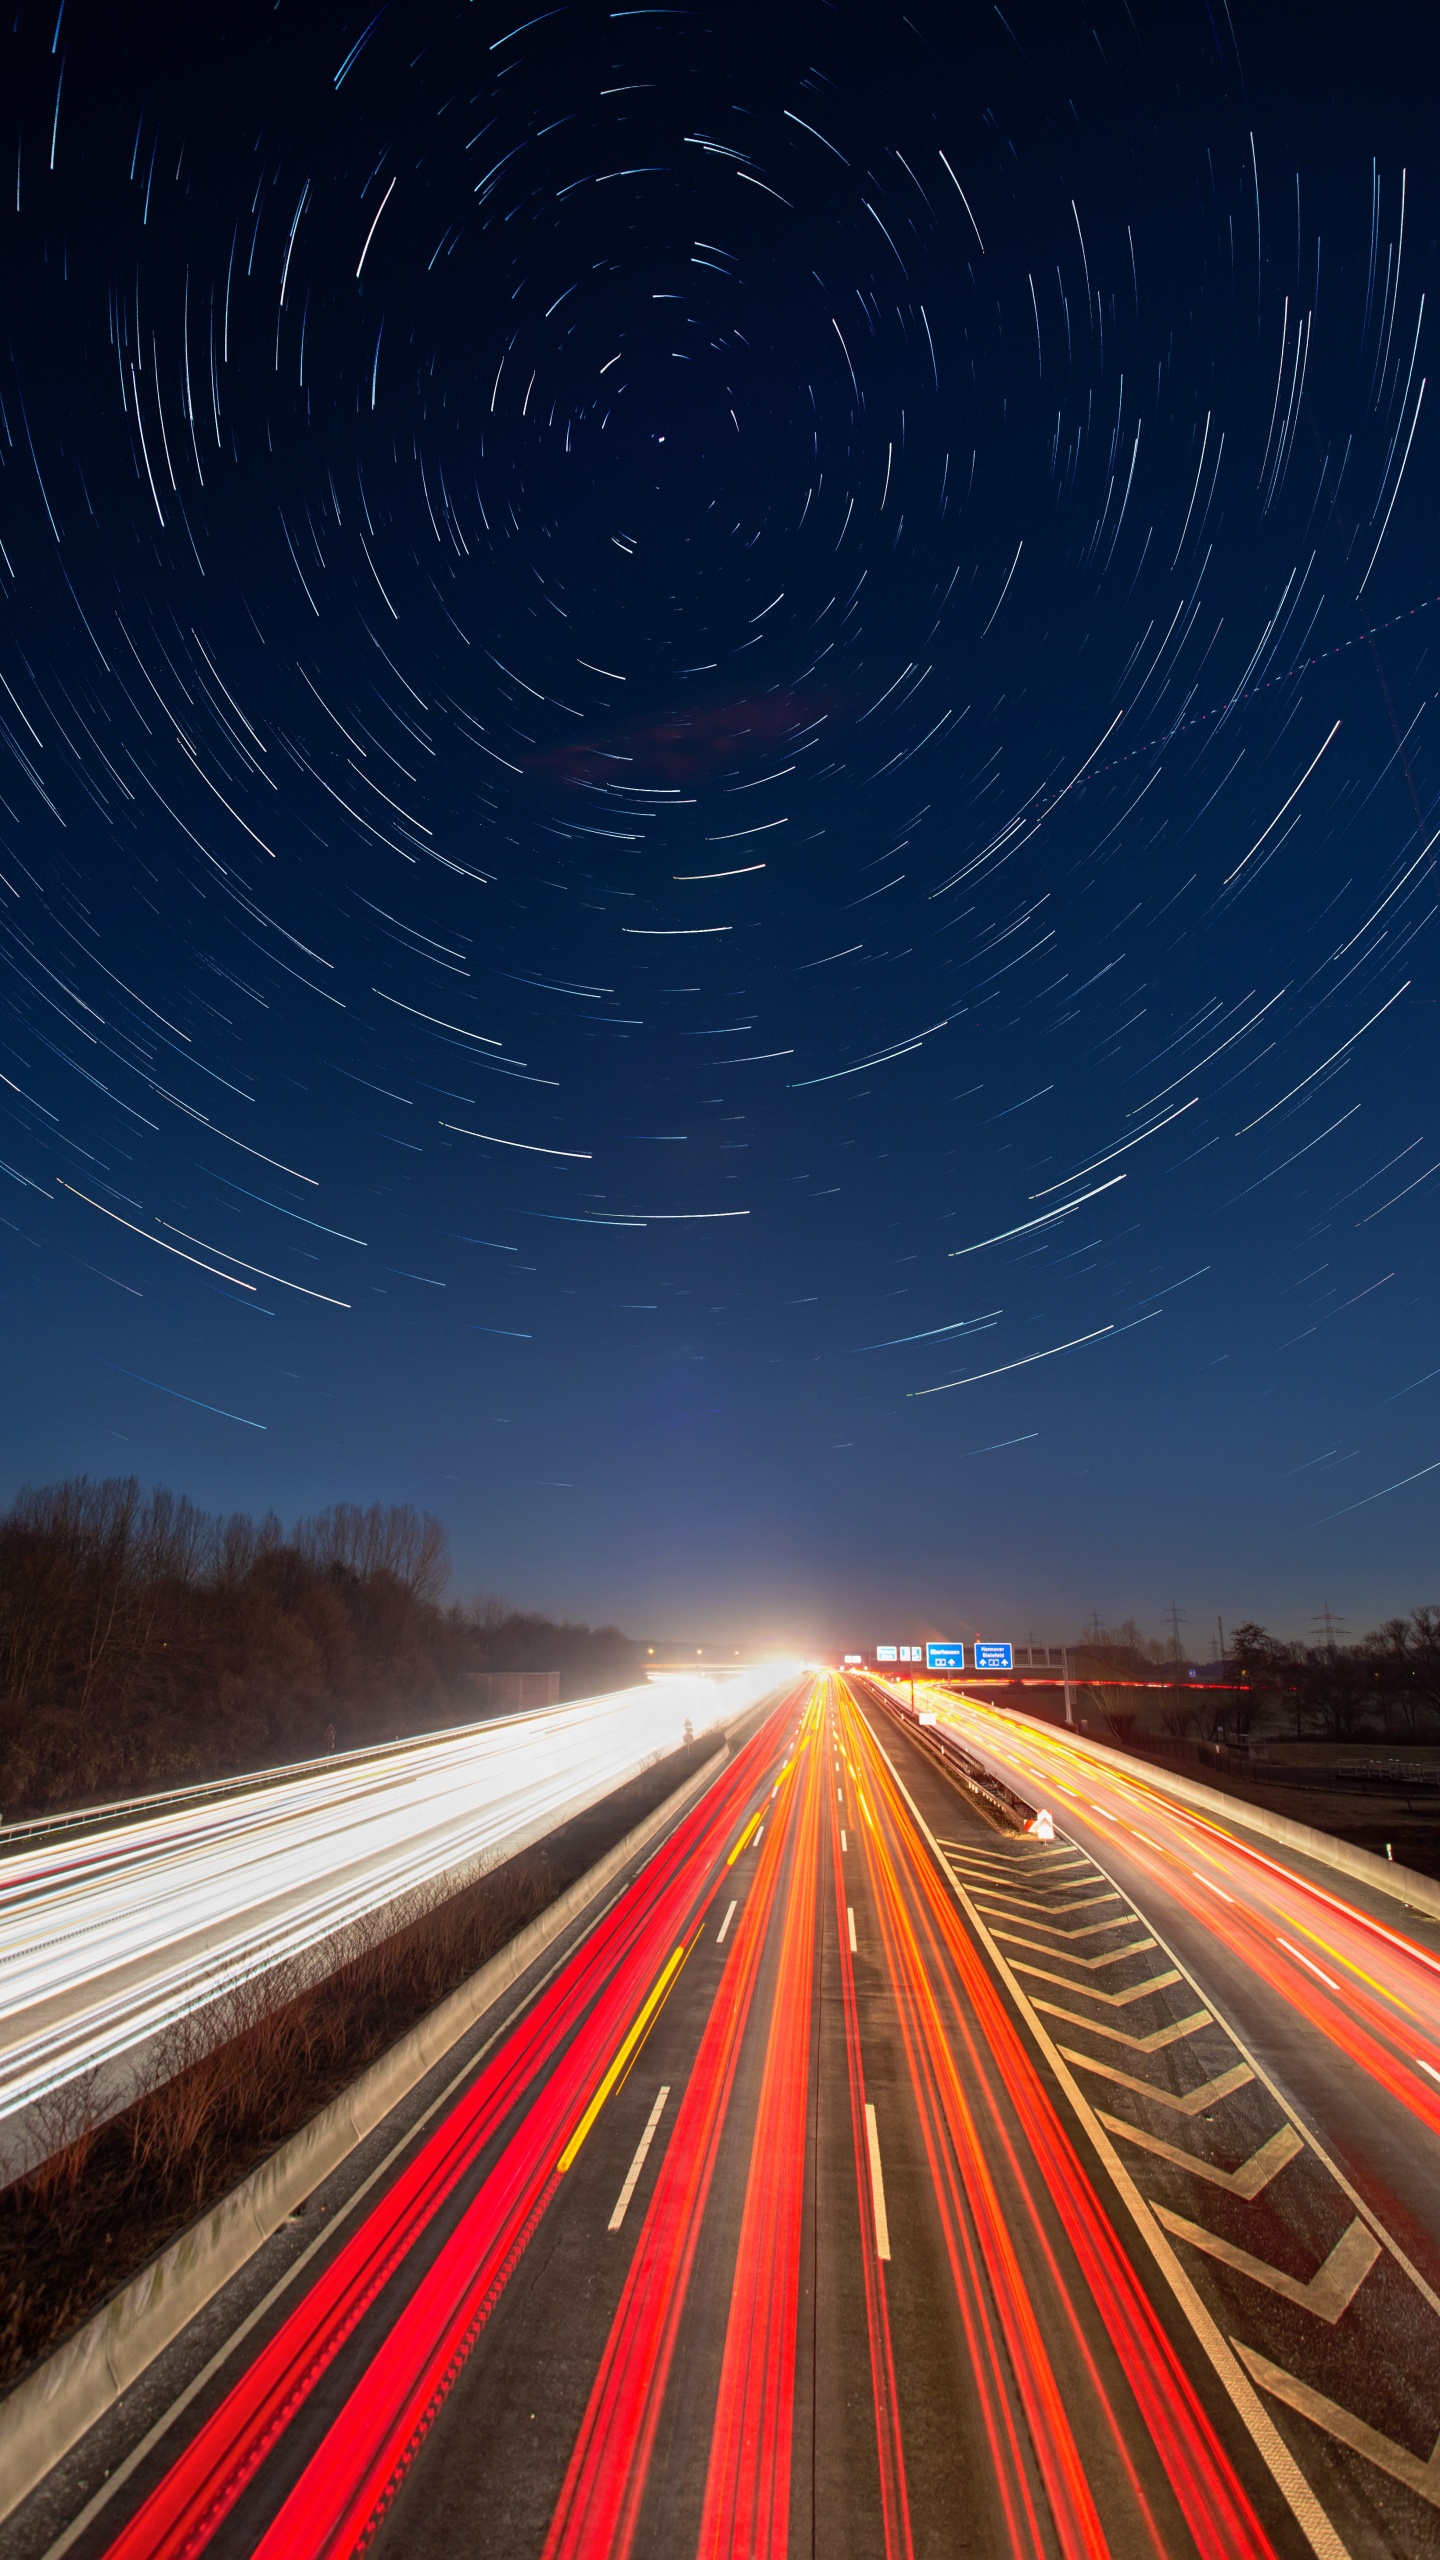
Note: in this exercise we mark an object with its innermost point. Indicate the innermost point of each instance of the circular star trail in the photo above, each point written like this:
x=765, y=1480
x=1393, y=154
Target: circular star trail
x=714, y=790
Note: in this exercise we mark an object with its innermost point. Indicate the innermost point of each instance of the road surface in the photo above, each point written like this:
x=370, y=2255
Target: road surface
x=111, y=1939
x=869, y=2180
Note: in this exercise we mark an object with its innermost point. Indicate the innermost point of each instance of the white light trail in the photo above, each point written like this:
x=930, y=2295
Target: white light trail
x=111, y=1936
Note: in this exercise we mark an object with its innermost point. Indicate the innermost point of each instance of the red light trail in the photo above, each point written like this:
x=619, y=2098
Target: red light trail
x=1077, y=2367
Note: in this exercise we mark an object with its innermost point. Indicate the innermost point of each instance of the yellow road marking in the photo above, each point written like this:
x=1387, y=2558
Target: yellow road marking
x=567, y=2156
x=743, y=1841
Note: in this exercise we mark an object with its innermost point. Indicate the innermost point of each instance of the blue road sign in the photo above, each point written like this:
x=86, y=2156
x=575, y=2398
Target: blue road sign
x=886, y=1653
x=946, y=1657
x=994, y=1657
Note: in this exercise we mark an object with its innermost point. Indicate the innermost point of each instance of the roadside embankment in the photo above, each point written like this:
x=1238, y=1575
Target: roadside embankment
x=104, y=2203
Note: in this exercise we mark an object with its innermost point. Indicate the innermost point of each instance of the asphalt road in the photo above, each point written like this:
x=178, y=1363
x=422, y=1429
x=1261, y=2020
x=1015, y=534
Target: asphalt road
x=872, y=2180
x=111, y=1937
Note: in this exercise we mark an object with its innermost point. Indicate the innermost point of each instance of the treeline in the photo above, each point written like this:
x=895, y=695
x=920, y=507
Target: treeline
x=1385, y=1688
x=146, y=1643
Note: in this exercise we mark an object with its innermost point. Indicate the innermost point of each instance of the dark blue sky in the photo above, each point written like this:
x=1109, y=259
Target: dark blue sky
x=718, y=777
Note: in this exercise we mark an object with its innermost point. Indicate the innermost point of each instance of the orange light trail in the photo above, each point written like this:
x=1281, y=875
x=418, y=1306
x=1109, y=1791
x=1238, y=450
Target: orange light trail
x=1385, y=2017
x=1211, y=2498
x=747, y=2491
x=894, y=2495
x=598, y=2508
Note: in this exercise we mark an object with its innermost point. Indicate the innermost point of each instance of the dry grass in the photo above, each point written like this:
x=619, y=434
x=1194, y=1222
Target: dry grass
x=111, y=2196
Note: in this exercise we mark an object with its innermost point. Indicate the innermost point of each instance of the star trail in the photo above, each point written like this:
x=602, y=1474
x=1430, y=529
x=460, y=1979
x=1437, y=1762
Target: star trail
x=716, y=827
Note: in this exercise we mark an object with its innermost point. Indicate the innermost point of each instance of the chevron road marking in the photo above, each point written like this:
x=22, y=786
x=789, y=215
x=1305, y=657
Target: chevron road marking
x=1155, y=2042
x=1093, y=1929
x=1422, y=2477
x=1248, y=2181
x=1091, y=1990
x=1284, y=2467
x=1208, y=2094
x=986, y=1858
x=1328, y=2293
x=1251, y=2380
x=1076, y=1902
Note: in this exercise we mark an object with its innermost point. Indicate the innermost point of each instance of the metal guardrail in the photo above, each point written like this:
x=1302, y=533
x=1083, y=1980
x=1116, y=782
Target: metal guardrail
x=943, y=1746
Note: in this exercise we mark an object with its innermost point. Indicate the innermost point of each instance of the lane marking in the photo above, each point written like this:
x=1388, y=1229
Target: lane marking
x=567, y=2156
x=724, y=1925
x=1096, y=1929
x=1325, y=2542
x=1328, y=2293
x=877, y=2185
x=1214, y=1887
x=637, y=2164
x=844, y=1845
x=1153, y=2043
x=850, y=1923
x=1422, y=2477
x=344, y=2208
x=1027, y=1902
x=1248, y=2181
x=1090, y=1990
x=744, y=1840
x=1196, y=2103
x=1305, y=1960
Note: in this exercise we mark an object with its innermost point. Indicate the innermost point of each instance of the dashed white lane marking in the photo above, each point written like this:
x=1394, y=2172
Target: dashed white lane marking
x=844, y=1845
x=850, y=1924
x=724, y=1925
x=877, y=2185
x=637, y=2164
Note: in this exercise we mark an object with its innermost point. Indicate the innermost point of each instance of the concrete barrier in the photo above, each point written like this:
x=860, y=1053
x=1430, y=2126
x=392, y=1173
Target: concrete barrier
x=1382, y=1875
x=61, y=2398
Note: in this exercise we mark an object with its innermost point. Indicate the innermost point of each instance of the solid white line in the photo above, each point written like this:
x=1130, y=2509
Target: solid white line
x=877, y=2185
x=850, y=1919
x=638, y=2163
x=724, y=1925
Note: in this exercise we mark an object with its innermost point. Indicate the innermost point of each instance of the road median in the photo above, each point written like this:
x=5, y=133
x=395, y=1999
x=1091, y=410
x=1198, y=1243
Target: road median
x=62, y=2397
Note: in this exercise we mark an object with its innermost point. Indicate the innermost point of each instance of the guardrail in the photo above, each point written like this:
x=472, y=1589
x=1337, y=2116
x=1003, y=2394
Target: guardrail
x=112, y=1939
x=941, y=1745
x=62, y=2397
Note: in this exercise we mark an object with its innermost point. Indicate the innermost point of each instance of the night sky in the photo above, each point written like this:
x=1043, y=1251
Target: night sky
x=719, y=768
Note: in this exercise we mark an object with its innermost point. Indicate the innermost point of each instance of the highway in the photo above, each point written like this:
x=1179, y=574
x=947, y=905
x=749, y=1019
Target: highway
x=870, y=2179
x=109, y=1938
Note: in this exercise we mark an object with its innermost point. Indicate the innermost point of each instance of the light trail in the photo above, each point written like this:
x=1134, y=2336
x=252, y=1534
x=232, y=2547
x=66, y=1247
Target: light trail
x=747, y=2491
x=599, y=2503
x=1073, y=2362
x=969, y=2067
x=1385, y=2018
x=550, y=2066
x=894, y=2494
x=1201, y=2117
x=107, y=1940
